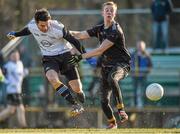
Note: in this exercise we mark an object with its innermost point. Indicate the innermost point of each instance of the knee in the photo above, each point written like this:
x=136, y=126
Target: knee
x=21, y=107
x=115, y=77
x=112, y=80
x=51, y=78
x=11, y=110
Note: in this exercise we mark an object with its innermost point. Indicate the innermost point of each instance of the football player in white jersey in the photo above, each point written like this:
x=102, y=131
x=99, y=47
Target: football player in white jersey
x=14, y=77
x=54, y=42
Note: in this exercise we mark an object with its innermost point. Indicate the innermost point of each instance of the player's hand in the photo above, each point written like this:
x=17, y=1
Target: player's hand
x=75, y=59
x=92, y=61
x=11, y=35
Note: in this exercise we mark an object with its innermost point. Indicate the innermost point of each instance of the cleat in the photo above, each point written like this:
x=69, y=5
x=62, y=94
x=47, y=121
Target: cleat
x=123, y=116
x=81, y=97
x=112, y=126
x=77, y=109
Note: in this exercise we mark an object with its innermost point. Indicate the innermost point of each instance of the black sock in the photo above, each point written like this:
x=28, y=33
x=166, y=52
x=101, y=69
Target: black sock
x=65, y=93
x=107, y=109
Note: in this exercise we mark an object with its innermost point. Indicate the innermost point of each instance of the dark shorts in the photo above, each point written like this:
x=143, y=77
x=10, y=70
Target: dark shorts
x=120, y=70
x=59, y=63
x=14, y=99
x=107, y=69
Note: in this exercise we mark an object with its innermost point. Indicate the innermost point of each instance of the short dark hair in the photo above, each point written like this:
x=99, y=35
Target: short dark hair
x=42, y=15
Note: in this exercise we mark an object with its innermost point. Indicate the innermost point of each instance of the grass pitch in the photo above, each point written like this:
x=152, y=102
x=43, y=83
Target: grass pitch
x=89, y=131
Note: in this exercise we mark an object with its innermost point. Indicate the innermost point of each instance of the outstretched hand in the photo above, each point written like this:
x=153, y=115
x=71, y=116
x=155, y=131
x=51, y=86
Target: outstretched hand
x=75, y=59
x=11, y=35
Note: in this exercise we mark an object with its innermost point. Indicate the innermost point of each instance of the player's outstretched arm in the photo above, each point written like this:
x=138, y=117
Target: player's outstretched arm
x=106, y=44
x=80, y=34
x=25, y=31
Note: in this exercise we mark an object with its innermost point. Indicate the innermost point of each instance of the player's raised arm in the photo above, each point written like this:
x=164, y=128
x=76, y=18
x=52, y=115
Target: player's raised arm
x=80, y=34
x=25, y=31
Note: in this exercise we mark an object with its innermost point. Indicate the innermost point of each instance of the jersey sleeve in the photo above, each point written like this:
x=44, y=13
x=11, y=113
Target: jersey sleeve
x=93, y=32
x=59, y=25
x=25, y=31
x=30, y=26
x=72, y=40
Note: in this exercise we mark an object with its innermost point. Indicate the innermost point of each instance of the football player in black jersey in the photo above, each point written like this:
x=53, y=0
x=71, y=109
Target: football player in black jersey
x=115, y=60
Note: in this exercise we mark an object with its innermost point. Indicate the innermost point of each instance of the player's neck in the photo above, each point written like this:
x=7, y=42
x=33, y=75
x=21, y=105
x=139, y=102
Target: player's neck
x=107, y=24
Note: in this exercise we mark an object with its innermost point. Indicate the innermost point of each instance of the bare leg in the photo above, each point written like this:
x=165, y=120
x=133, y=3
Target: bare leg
x=64, y=91
x=7, y=112
x=59, y=87
x=76, y=86
x=21, y=115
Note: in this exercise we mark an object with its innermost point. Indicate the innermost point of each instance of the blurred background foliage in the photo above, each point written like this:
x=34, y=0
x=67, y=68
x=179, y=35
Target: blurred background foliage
x=15, y=14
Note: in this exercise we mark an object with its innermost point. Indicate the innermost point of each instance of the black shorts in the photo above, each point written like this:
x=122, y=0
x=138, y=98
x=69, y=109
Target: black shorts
x=107, y=71
x=110, y=71
x=14, y=99
x=59, y=63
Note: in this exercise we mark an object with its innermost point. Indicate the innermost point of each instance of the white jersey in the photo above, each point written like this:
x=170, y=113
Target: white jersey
x=52, y=42
x=14, y=76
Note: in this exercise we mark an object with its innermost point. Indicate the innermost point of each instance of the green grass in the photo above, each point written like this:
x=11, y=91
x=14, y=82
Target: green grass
x=89, y=131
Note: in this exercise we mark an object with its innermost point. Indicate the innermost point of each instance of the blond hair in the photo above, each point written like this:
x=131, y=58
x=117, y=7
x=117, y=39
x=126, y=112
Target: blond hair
x=109, y=3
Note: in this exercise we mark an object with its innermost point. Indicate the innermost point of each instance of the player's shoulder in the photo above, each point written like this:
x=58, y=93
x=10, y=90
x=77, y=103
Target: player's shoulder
x=56, y=24
x=32, y=22
x=116, y=27
x=99, y=25
x=8, y=64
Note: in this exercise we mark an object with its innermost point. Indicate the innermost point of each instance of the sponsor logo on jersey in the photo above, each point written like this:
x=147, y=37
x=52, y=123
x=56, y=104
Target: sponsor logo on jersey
x=46, y=43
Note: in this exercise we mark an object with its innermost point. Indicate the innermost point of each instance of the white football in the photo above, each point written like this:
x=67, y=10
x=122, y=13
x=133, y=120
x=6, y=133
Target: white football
x=154, y=92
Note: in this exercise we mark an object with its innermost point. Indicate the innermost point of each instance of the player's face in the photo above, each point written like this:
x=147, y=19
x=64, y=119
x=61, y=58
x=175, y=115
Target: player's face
x=141, y=46
x=43, y=26
x=109, y=12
